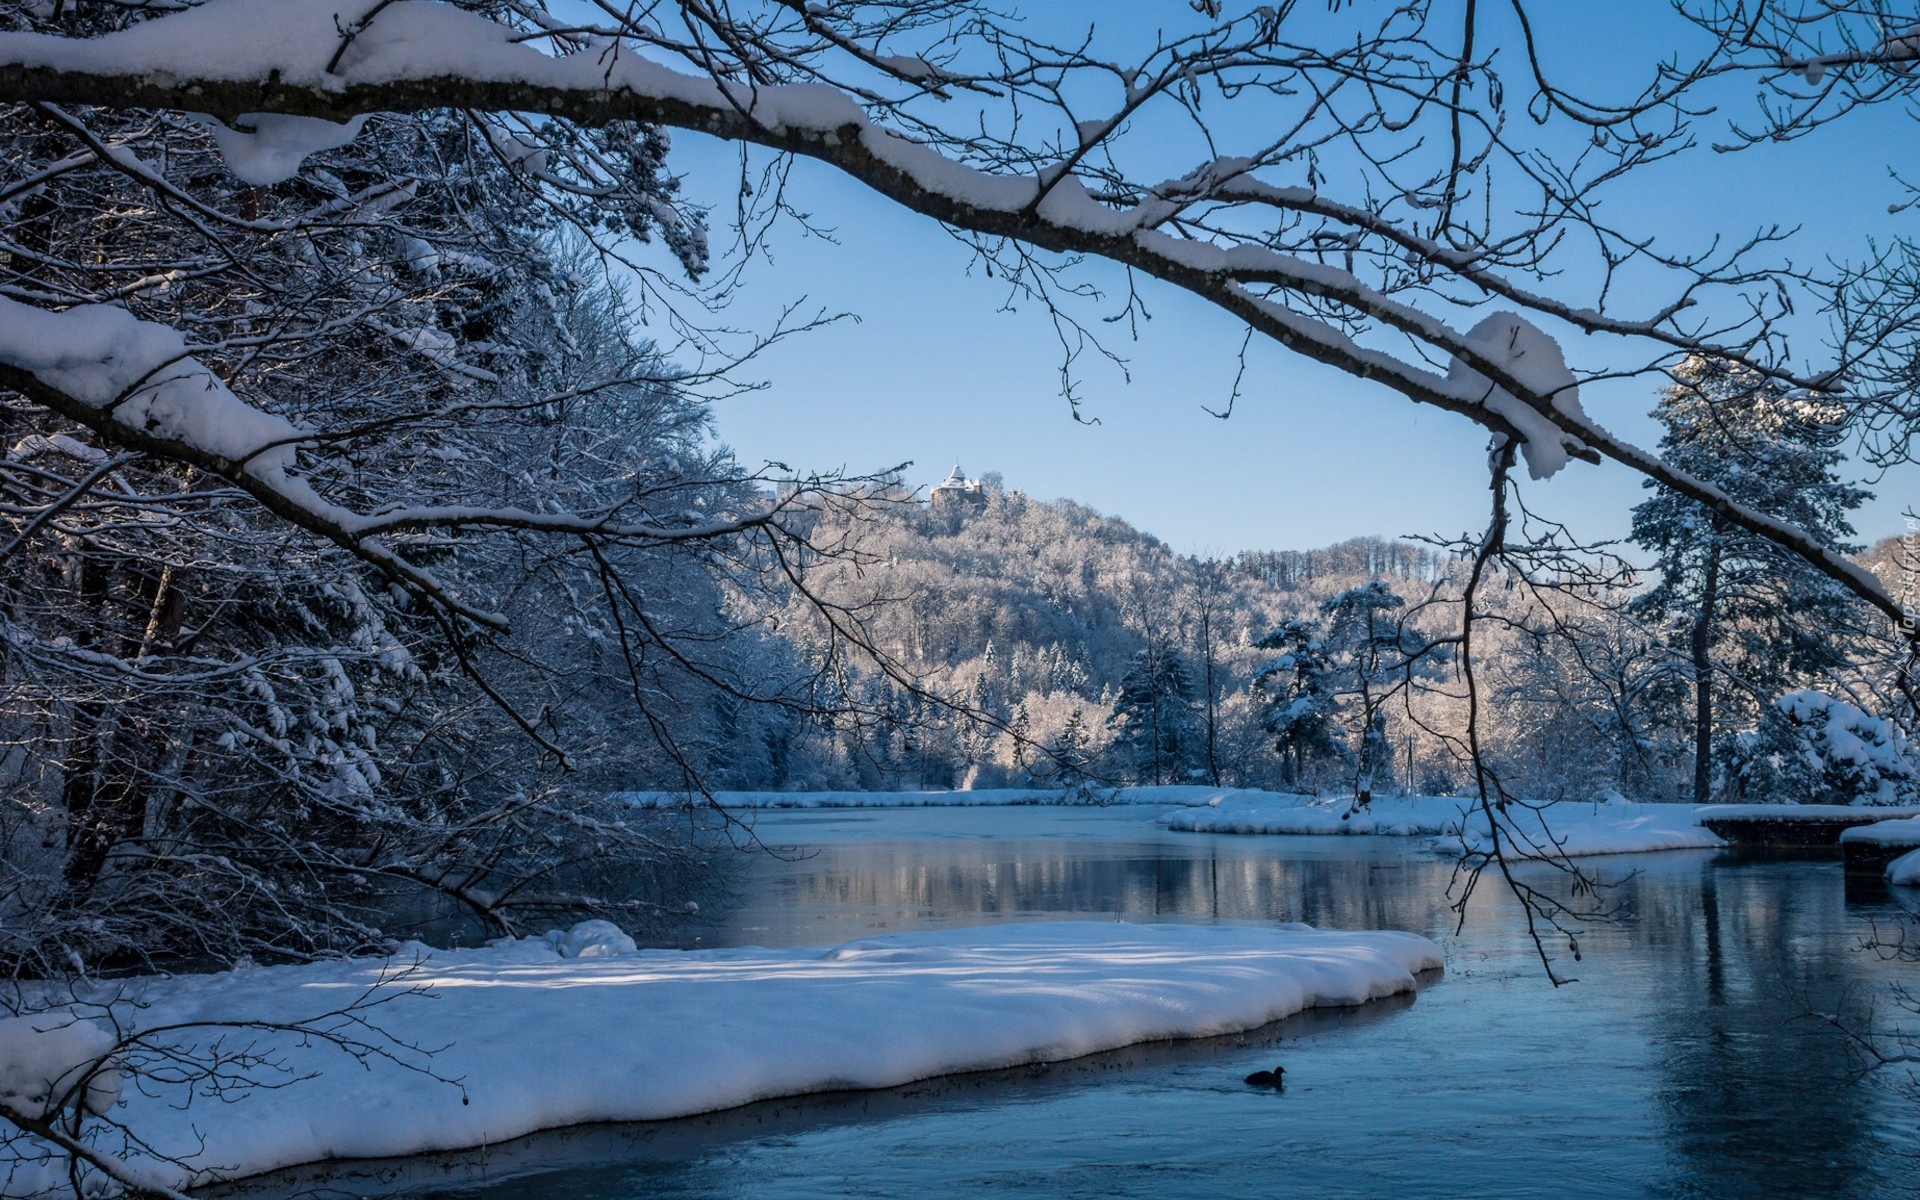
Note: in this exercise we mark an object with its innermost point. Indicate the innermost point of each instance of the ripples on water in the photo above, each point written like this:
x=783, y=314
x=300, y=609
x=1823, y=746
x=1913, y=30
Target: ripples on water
x=1683, y=1064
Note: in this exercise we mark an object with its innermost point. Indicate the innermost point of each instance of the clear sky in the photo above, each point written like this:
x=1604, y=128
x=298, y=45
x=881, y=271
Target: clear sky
x=932, y=368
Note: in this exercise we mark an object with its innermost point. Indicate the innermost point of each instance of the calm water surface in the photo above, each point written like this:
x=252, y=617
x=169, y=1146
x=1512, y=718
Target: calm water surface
x=1682, y=1064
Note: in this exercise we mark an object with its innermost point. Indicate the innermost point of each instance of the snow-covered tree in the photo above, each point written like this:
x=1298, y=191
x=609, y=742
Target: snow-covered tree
x=1811, y=748
x=248, y=712
x=1297, y=706
x=1745, y=609
x=1372, y=655
x=1153, y=717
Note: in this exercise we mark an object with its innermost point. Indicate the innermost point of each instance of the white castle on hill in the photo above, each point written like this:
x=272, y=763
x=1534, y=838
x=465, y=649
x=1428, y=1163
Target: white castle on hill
x=957, y=493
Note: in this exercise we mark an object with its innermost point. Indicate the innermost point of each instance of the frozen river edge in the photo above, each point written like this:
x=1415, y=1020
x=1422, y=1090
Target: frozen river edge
x=524, y=1038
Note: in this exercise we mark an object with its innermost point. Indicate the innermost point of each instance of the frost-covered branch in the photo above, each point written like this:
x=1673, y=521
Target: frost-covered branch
x=787, y=84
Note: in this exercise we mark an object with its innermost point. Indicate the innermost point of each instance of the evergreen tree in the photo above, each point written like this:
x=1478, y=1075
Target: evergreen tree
x=1739, y=605
x=1154, y=718
x=1069, y=749
x=1812, y=748
x=1294, y=692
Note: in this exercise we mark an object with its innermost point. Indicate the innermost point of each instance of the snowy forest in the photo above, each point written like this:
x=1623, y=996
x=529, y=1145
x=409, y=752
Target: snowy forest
x=1037, y=643
x=367, y=540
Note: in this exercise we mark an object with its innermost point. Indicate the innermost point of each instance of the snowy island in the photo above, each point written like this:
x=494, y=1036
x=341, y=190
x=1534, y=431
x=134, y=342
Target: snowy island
x=478, y=1046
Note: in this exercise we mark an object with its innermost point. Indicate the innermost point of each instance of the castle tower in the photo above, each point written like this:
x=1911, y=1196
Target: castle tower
x=957, y=493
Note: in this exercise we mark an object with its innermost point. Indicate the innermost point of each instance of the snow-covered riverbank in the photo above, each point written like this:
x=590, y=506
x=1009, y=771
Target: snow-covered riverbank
x=952, y=798
x=1568, y=828
x=539, y=1040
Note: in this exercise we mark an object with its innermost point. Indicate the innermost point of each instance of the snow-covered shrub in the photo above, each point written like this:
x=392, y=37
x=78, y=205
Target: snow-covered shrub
x=51, y=1061
x=591, y=939
x=1811, y=748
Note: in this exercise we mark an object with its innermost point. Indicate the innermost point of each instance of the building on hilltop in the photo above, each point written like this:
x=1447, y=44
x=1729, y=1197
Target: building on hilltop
x=957, y=493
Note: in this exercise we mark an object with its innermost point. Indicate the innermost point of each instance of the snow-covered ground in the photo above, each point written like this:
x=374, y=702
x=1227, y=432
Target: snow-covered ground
x=979, y=797
x=1903, y=871
x=1903, y=831
x=1577, y=830
x=1567, y=828
x=1258, y=812
x=1804, y=812
x=547, y=1032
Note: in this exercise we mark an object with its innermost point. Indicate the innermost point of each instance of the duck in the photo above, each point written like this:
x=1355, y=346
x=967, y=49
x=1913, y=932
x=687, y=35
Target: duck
x=1275, y=1078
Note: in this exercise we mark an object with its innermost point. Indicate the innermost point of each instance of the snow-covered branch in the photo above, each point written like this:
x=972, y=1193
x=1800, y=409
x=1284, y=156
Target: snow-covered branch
x=293, y=87
x=133, y=383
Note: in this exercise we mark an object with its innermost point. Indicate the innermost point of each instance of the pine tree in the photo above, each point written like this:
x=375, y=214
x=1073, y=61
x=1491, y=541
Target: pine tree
x=1069, y=749
x=1738, y=604
x=1154, y=717
x=1295, y=696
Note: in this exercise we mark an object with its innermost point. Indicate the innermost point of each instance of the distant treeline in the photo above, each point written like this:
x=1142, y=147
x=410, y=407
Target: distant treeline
x=1369, y=557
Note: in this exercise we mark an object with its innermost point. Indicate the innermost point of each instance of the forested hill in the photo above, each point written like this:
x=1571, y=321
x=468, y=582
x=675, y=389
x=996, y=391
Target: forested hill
x=1049, y=593
x=1091, y=650
x=1055, y=586
x=1046, y=615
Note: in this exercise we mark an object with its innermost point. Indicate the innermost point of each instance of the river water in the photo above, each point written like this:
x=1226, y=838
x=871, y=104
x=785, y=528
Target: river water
x=1688, y=1061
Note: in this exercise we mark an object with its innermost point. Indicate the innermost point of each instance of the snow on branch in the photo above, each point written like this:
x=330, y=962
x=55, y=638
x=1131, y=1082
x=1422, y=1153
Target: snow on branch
x=135, y=384
x=289, y=60
x=425, y=54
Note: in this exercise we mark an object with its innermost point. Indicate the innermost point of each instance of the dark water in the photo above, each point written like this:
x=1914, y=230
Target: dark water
x=1684, y=1063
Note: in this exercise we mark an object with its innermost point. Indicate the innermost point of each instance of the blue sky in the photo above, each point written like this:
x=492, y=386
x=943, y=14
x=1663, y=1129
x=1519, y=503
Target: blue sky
x=932, y=368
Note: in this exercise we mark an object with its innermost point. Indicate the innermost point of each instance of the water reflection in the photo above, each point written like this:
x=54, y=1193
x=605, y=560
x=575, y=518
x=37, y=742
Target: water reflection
x=1756, y=1087
x=1683, y=1064
x=845, y=890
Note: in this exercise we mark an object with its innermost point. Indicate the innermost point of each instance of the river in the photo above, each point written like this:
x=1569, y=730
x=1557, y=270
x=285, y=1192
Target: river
x=1687, y=1061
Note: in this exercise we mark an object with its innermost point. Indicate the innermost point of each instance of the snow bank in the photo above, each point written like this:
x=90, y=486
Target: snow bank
x=540, y=1041
x=1578, y=829
x=1903, y=871
x=1614, y=828
x=1902, y=832
x=1581, y=830
x=982, y=797
x=1800, y=812
x=591, y=939
x=1281, y=813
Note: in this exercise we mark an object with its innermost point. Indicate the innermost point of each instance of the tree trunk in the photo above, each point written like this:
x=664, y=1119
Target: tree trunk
x=1206, y=658
x=1703, y=676
x=1153, y=705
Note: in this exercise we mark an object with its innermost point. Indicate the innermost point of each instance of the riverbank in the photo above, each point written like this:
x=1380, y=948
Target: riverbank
x=1578, y=828
x=1564, y=829
x=470, y=1047
x=1088, y=795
